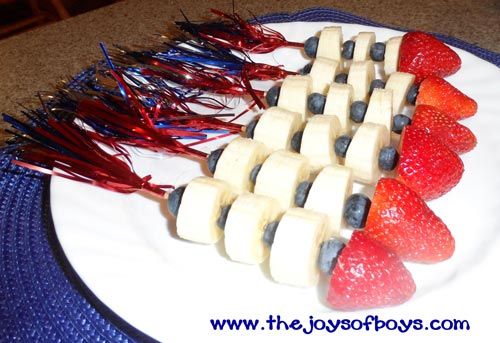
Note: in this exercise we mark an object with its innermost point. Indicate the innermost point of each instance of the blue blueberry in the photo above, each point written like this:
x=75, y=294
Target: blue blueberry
x=174, y=200
x=311, y=46
x=316, y=103
x=341, y=145
x=255, y=171
x=341, y=78
x=301, y=193
x=377, y=52
x=221, y=221
x=269, y=233
x=306, y=69
x=411, y=97
x=388, y=158
x=358, y=111
x=377, y=83
x=329, y=252
x=399, y=122
x=273, y=95
x=213, y=158
x=251, y=128
x=348, y=49
x=356, y=210
x=297, y=141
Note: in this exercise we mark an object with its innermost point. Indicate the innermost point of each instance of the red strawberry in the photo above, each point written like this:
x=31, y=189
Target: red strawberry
x=426, y=165
x=367, y=276
x=456, y=136
x=437, y=92
x=400, y=220
x=424, y=55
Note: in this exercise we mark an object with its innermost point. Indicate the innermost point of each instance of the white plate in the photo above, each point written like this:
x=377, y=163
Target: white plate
x=124, y=251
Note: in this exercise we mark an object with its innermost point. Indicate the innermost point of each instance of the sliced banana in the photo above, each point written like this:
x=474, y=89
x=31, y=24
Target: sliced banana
x=294, y=92
x=327, y=195
x=360, y=76
x=338, y=104
x=237, y=161
x=245, y=224
x=391, y=57
x=318, y=141
x=330, y=43
x=294, y=254
x=362, y=154
x=364, y=42
x=200, y=208
x=276, y=127
x=280, y=175
x=323, y=73
x=400, y=83
x=379, y=109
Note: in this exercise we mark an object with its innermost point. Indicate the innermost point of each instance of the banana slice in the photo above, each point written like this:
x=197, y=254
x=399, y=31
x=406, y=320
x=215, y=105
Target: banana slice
x=200, y=208
x=237, y=161
x=330, y=43
x=379, y=109
x=294, y=254
x=245, y=224
x=280, y=175
x=276, y=127
x=323, y=73
x=294, y=92
x=338, y=104
x=391, y=57
x=318, y=141
x=400, y=83
x=364, y=42
x=362, y=154
x=327, y=195
x=361, y=75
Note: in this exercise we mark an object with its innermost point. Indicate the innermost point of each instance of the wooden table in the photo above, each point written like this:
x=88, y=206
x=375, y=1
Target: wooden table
x=36, y=60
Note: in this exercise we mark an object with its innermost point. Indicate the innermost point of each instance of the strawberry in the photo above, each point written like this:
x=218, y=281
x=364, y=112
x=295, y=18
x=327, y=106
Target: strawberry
x=456, y=136
x=437, y=92
x=367, y=275
x=400, y=220
x=424, y=55
x=426, y=165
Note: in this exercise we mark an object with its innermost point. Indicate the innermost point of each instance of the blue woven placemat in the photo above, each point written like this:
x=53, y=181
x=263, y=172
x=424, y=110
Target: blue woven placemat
x=42, y=299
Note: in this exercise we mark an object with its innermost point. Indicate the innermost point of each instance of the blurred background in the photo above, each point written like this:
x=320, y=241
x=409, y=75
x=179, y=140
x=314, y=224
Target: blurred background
x=17, y=16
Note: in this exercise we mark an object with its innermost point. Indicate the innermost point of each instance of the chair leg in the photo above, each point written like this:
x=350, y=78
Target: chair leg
x=61, y=10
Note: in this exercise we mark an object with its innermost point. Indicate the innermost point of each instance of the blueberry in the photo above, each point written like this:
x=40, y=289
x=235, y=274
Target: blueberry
x=251, y=128
x=174, y=200
x=272, y=96
x=377, y=83
x=388, y=158
x=399, y=122
x=301, y=193
x=377, y=51
x=297, y=140
x=311, y=46
x=306, y=69
x=411, y=97
x=348, y=49
x=269, y=232
x=328, y=254
x=341, y=78
x=213, y=158
x=358, y=111
x=341, y=145
x=255, y=171
x=221, y=221
x=316, y=103
x=356, y=210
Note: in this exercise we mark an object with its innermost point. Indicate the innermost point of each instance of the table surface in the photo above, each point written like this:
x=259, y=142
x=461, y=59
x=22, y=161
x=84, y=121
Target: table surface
x=39, y=59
